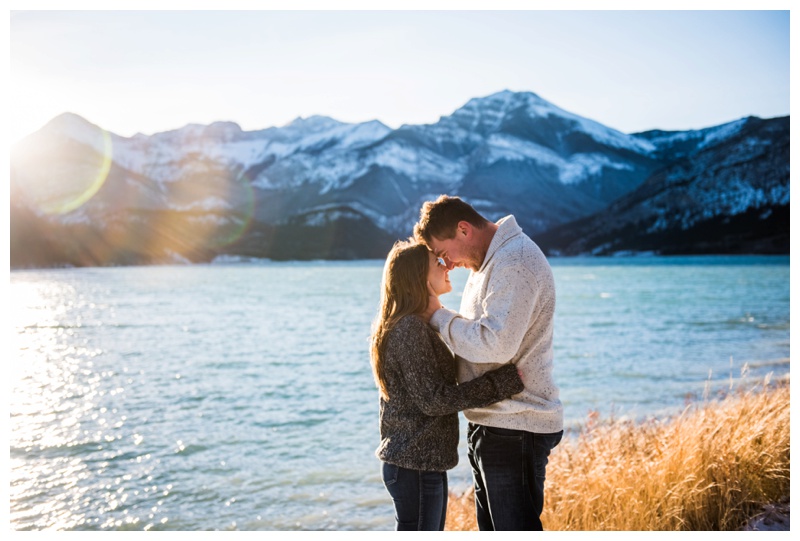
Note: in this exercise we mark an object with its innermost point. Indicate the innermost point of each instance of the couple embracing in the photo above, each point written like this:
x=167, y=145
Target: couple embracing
x=493, y=359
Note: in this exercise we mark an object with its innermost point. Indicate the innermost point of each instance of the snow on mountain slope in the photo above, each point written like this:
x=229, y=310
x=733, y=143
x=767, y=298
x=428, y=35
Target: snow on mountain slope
x=331, y=154
x=675, y=144
x=318, y=163
x=418, y=163
x=738, y=166
x=488, y=114
x=572, y=169
x=510, y=152
x=730, y=193
x=168, y=156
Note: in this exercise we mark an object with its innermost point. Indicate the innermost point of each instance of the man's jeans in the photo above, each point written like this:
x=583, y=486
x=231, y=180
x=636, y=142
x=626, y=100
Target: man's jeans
x=420, y=497
x=508, y=468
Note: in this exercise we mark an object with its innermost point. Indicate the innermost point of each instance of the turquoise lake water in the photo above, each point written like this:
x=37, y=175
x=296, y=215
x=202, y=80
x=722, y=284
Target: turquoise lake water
x=238, y=396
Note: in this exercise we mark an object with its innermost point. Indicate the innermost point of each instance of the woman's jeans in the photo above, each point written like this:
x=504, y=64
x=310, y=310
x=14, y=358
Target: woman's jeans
x=508, y=469
x=420, y=497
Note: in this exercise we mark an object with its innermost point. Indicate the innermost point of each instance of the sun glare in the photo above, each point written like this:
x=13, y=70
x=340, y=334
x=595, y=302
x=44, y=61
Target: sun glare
x=43, y=381
x=49, y=186
x=33, y=103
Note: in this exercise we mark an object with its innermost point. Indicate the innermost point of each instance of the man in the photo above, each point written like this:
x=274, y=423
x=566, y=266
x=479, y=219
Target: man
x=506, y=316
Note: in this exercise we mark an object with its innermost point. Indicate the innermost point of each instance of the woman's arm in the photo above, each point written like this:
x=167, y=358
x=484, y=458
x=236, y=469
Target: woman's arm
x=410, y=351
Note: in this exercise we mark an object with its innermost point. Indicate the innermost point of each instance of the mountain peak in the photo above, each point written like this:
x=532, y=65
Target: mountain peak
x=529, y=116
x=504, y=100
x=224, y=130
x=487, y=114
x=65, y=126
x=313, y=123
x=69, y=123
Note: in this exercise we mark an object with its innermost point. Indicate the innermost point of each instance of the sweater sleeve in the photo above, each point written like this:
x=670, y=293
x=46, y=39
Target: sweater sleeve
x=413, y=356
x=494, y=337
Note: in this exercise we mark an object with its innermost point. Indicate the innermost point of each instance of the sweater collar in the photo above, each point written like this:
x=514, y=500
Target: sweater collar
x=507, y=230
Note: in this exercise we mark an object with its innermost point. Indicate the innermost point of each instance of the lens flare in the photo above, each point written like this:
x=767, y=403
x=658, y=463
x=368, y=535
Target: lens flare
x=242, y=194
x=93, y=185
x=71, y=175
x=211, y=209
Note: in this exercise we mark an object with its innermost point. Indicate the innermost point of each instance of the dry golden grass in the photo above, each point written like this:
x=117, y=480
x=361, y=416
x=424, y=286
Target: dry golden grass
x=712, y=468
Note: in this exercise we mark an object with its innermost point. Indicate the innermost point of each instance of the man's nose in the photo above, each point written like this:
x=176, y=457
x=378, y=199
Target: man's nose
x=448, y=264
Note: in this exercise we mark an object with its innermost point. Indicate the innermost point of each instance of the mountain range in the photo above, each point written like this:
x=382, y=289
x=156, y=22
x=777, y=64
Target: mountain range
x=318, y=188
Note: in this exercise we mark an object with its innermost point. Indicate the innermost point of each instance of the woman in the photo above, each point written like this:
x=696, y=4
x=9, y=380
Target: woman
x=419, y=398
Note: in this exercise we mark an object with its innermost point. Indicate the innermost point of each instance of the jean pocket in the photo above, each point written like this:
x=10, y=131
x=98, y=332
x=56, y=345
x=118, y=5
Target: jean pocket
x=505, y=433
x=390, y=473
x=547, y=442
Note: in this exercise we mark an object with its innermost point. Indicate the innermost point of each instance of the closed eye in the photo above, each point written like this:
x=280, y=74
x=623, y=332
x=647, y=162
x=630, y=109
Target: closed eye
x=440, y=261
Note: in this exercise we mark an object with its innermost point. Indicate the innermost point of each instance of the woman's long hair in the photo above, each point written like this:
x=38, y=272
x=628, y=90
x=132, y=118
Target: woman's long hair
x=404, y=291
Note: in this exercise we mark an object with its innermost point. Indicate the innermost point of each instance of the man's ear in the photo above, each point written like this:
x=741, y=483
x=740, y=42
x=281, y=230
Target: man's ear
x=463, y=228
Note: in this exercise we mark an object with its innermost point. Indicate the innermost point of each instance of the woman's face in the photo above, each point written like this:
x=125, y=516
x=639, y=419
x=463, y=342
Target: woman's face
x=438, y=275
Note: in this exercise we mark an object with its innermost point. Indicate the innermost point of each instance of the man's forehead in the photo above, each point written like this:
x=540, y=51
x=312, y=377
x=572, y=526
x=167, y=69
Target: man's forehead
x=437, y=246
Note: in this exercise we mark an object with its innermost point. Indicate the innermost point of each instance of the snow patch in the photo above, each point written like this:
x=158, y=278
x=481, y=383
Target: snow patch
x=576, y=168
x=207, y=204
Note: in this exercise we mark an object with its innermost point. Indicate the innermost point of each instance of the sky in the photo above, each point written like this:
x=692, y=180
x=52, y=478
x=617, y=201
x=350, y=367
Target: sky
x=139, y=70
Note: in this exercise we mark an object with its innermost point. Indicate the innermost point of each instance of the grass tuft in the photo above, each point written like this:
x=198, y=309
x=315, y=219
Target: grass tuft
x=713, y=467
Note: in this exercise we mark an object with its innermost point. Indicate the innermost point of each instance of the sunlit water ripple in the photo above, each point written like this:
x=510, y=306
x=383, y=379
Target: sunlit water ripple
x=239, y=396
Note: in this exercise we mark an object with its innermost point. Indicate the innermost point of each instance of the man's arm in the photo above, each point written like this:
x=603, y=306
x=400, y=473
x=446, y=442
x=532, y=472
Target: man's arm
x=411, y=352
x=495, y=337
x=433, y=304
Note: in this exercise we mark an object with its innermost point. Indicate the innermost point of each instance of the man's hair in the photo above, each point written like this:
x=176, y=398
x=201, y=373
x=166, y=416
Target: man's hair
x=439, y=219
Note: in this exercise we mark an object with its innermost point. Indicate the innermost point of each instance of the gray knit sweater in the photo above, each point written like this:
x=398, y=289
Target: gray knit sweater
x=419, y=422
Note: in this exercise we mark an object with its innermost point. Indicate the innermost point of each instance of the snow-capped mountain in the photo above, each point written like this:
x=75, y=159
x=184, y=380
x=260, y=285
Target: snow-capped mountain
x=726, y=190
x=318, y=187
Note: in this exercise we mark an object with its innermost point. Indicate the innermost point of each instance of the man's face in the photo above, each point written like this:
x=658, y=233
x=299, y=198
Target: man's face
x=458, y=251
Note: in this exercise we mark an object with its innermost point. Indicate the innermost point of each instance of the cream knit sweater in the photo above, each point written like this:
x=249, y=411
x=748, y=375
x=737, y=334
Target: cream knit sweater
x=419, y=422
x=506, y=316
